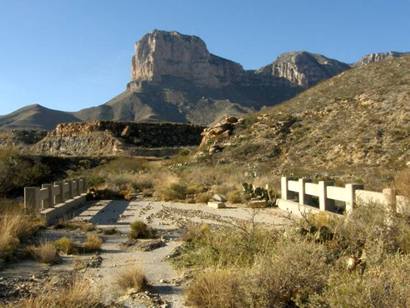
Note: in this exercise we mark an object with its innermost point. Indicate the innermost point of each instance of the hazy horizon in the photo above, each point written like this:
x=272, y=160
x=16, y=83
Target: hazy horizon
x=72, y=55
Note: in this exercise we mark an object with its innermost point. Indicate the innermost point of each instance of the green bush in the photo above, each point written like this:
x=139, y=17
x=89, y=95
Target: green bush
x=17, y=172
x=174, y=191
x=140, y=229
x=65, y=245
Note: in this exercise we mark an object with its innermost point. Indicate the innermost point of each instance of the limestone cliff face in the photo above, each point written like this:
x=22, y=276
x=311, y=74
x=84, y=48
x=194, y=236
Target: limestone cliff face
x=380, y=56
x=303, y=68
x=162, y=53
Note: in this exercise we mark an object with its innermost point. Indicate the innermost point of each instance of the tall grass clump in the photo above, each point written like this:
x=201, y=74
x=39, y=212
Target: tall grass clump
x=78, y=294
x=45, y=253
x=15, y=228
x=132, y=277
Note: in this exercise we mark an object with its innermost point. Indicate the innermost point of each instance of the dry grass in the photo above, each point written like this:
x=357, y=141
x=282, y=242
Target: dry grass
x=140, y=229
x=14, y=228
x=302, y=266
x=92, y=243
x=65, y=245
x=216, y=289
x=132, y=277
x=45, y=253
x=402, y=183
x=385, y=285
x=79, y=294
x=77, y=225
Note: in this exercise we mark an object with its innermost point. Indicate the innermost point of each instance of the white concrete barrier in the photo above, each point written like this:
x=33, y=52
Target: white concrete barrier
x=297, y=196
x=55, y=201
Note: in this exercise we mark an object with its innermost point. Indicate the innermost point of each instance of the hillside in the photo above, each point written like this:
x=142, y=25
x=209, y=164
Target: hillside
x=36, y=117
x=354, y=127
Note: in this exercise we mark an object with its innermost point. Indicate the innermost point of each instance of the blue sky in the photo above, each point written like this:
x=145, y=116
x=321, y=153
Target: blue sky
x=70, y=54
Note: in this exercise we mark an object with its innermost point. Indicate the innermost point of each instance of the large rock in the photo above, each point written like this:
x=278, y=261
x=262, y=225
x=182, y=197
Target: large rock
x=162, y=53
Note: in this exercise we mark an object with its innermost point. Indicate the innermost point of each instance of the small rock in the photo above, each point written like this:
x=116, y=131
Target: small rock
x=218, y=197
x=216, y=205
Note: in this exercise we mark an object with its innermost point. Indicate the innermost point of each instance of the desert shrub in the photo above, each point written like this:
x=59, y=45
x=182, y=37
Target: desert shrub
x=84, y=226
x=203, y=197
x=132, y=277
x=95, y=180
x=140, y=229
x=385, y=285
x=296, y=269
x=217, y=288
x=78, y=294
x=45, y=253
x=235, y=196
x=402, y=182
x=371, y=229
x=65, y=245
x=173, y=191
x=225, y=246
x=11, y=177
x=92, y=243
x=14, y=228
x=143, y=182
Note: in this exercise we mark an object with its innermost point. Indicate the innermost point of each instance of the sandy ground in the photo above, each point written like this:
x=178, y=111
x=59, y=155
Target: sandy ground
x=169, y=218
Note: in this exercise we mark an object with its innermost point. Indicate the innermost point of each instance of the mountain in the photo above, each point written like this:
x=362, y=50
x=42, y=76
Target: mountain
x=380, y=56
x=36, y=117
x=303, y=68
x=175, y=78
x=352, y=127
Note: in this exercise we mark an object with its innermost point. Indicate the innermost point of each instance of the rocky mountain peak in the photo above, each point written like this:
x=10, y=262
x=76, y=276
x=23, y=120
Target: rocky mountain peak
x=304, y=68
x=160, y=53
x=380, y=56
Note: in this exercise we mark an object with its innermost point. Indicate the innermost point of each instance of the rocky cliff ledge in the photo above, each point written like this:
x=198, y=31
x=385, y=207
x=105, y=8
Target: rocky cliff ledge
x=116, y=138
x=381, y=56
x=303, y=68
x=162, y=53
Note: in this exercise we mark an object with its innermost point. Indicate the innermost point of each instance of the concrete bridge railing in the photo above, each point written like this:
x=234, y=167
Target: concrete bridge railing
x=54, y=201
x=299, y=196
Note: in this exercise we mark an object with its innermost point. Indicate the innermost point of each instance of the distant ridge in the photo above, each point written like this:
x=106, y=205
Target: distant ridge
x=36, y=117
x=175, y=78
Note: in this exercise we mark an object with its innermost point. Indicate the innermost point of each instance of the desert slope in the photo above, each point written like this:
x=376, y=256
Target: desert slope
x=355, y=126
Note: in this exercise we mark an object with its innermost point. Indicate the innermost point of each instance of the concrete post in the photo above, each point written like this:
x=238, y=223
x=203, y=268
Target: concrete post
x=77, y=191
x=390, y=196
x=71, y=189
x=32, y=202
x=302, y=195
x=50, y=200
x=324, y=203
x=84, y=190
x=351, y=196
x=61, y=198
x=284, y=188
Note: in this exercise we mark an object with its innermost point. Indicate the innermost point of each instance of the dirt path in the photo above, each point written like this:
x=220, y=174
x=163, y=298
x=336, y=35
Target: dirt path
x=169, y=219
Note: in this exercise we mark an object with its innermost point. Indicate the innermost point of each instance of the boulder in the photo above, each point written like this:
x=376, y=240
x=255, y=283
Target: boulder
x=218, y=198
x=216, y=204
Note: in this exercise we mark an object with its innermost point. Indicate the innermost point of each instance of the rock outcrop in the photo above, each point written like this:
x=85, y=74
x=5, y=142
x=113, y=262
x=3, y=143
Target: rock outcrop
x=162, y=53
x=380, y=56
x=303, y=68
x=116, y=138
